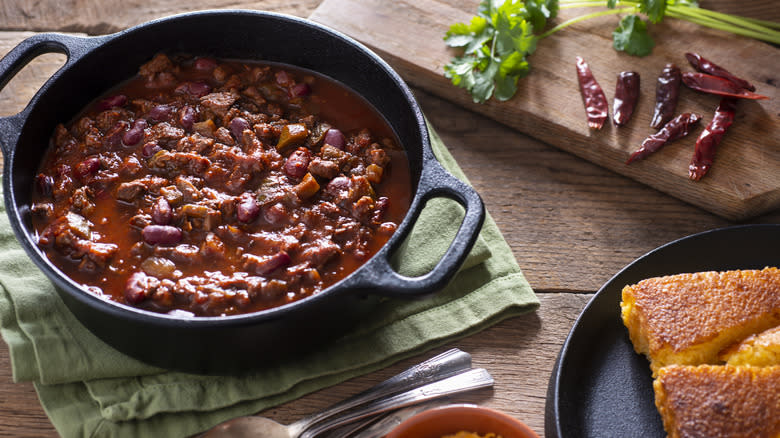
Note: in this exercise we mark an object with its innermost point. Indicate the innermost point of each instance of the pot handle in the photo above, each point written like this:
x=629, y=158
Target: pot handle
x=378, y=276
x=69, y=45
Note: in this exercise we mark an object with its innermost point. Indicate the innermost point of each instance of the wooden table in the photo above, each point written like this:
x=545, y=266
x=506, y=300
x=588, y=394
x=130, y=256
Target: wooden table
x=570, y=224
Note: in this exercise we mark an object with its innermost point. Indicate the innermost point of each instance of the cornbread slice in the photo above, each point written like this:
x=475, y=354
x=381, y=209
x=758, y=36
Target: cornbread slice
x=759, y=350
x=689, y=318
x=719, y=401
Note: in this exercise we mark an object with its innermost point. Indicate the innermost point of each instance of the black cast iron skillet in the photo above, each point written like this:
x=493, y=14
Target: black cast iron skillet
x=222, y=344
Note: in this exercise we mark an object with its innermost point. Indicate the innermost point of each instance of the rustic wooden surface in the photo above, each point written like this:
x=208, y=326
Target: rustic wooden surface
x=745, y=179
x=571, y=224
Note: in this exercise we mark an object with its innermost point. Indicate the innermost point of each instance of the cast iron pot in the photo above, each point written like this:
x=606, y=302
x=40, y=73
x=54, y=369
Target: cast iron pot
x=225, y=344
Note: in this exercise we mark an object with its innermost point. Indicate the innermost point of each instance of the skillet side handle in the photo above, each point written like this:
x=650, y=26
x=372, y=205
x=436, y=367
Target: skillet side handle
x=379, y=276
x=21, y=55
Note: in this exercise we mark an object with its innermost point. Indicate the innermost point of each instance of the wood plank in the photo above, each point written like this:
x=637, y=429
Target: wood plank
x=519, y=353
x=571, y=224
x=106, y=16
x=745, y=180
x=18, y=92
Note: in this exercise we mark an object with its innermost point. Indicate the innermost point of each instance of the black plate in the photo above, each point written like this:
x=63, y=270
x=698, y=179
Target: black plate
x=600, y=387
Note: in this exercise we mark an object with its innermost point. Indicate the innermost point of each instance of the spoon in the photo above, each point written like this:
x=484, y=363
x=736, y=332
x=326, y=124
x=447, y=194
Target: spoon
x=444, y=365
x=465, y=381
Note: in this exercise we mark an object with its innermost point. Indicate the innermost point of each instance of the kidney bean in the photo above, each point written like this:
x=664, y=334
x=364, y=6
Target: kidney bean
x=160, y=113
x=196, y=89
x=136, y=289
x=199, y=88
x=135, y=134
x=337, y=185
x=161, y=234
x=297, y=163
x=88, y=167
x=266, y=265
x=335, y=138
x=113, y=137
x=110, y=102
x=161, y=212
x=149, y=149
x=276, y=214
x=45, y=184
x=300, y=89
x=205, y=64
x=237, y=127
x=187, y=117
x=247, y=208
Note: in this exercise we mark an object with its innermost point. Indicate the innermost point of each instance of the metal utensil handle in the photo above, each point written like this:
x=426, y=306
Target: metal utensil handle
x=466, y=381
x=436, y=368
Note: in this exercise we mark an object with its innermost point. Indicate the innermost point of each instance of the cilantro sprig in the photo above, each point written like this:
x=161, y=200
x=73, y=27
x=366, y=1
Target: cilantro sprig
x=495, y=45
x=497, y=41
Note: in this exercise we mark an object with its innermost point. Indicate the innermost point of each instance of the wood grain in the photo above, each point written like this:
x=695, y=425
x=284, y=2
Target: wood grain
x=106, y=16
x=519, y=353
x=571, y=224
x=745, y=180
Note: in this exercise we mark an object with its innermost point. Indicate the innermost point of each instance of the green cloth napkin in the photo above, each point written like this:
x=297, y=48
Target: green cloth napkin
x=89, y=389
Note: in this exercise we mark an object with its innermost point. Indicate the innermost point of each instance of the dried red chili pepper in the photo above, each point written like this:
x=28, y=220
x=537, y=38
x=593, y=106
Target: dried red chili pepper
x=708, y=141
x=592, y=95
x=678, y=127
x=626, y=96
x=716, y=85
x=666, y=92
x=707, y=66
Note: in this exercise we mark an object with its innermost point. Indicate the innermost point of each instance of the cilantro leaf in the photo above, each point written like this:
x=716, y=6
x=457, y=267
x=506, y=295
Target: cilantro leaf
x=506, y=87
x=525, y=40
x=631, y=37
x=611, y=4
x=514, y=64
x=461, y=72
x=469, y=36
x=655, y=9
x=537, y=12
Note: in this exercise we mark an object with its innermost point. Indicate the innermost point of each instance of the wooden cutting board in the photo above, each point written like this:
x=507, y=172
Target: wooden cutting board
x=745, y=178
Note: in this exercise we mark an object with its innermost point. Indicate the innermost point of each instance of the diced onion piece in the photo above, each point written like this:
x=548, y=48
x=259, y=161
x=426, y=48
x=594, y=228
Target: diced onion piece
x=374, y=173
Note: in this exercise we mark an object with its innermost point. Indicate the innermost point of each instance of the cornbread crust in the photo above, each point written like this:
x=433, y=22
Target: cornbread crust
x=719, y=401
x=760, y=350
x=689, y=318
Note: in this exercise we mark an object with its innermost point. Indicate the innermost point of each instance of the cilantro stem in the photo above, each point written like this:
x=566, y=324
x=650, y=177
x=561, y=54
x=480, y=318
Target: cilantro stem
x=716, y=18
x=568, y=23
x=580, y=4
x=762, y=34
x=743, y=21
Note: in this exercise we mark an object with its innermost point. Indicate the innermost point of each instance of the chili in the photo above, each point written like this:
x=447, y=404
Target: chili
x=676, y=128
x=626, y=96
x=219, y=187
x=719, y=86
x=704, y=153
x=706, y=66
x=667, y=91
x=593, y=96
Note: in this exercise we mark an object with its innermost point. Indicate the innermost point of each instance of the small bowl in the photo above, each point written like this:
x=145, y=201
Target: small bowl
x=451, y=419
